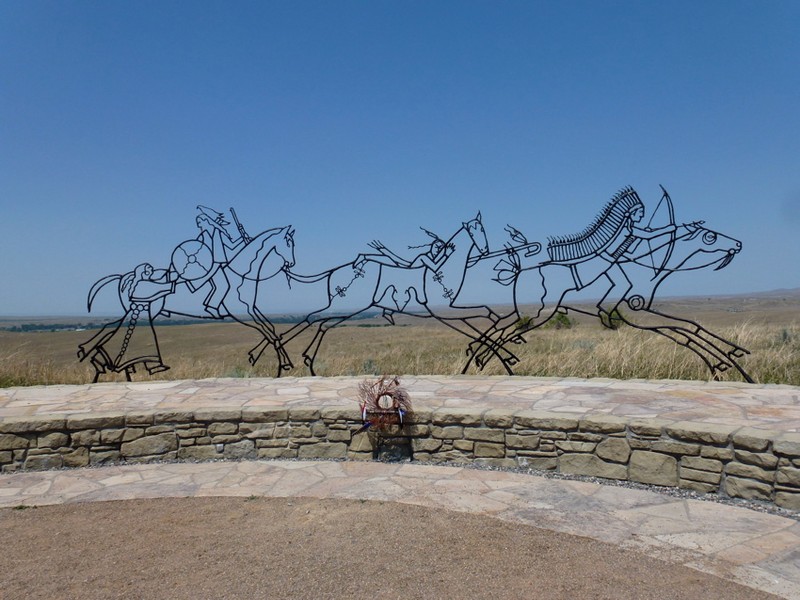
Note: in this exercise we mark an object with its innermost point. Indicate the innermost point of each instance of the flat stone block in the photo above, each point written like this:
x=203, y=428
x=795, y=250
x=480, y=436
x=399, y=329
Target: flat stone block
x=537, y=462
x=749, y=471
x=156, y=429
x=499, y=417
x=522, y=442
x=787, y=444
x=79, y=457
x=9, y=441
x=198, y=453
x=52, y=440
x=239, y=450
x=788, y=476
x=590, y=465
x=104, y=458
x=485, y=434
x=603, y=423
x=341, y=413
x=193, y=432
x=653, y=468
x=456, y=416
x=339, y=435
x=111, y=436
x=301, y=413
x=542, y=420
x=32, y=424
x=88, y=437
x=277, y=453
x=614, y=449
x=708, y=433
x=154, y=444
x=756, y=440
x=487, y=450
x=451, y=432
x=716, y=453
x=764, y=460
x=787, y=500
x=207, y=415
x=585, y=436
x=252, y=414
x=43, y=462
x=464, y=445
x=95, y=421
x=173, y=416
x=698, y=486
x=747, y=489
x=216, y=429
x=335, y=450
x=319, y=429
x=703, y=476
x=702, y=464
x=679, y=448
x=139, y=418
x=424, y=445
x=648, y=427
x=569, y=446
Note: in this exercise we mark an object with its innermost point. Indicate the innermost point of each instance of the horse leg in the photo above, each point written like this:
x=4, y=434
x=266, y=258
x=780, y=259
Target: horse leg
x=284, y=362
x=310, y=353
x=716, y=358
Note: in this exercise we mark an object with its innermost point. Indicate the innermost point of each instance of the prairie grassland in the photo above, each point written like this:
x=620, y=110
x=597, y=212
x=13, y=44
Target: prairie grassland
x=585, y=350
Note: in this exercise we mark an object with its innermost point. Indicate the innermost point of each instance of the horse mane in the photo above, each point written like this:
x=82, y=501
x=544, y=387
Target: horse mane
x=599, y=233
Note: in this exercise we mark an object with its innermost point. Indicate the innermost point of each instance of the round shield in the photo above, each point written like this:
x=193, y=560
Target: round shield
x=192, y=260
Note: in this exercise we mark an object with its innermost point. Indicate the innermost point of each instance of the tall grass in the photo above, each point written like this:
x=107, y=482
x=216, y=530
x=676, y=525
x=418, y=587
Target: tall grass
x=220, y=350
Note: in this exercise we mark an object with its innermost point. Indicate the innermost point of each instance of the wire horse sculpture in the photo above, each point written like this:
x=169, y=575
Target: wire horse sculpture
x=615, y=257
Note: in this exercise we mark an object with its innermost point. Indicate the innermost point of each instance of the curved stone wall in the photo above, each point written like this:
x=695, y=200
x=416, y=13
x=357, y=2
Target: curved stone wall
x=741, y=462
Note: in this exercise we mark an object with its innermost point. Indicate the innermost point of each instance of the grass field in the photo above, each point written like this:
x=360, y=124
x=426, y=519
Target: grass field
x=767, y=326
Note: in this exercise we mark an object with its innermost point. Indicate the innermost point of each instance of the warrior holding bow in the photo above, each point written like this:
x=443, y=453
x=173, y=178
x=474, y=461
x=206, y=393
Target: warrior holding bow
x=612, y=239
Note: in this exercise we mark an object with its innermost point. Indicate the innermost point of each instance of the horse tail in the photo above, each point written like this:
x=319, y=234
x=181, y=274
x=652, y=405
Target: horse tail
x=98, y=285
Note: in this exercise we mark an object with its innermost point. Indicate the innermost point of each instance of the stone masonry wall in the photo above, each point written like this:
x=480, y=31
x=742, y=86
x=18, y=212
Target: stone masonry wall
x=740, y=462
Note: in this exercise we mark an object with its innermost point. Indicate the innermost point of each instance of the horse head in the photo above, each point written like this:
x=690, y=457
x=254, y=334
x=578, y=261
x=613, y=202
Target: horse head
x=697, y=247
x=284, y=246
x=477, y=233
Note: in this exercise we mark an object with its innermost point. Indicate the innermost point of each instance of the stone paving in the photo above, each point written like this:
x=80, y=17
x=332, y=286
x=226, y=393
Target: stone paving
x=773, y=407
x=753, y=548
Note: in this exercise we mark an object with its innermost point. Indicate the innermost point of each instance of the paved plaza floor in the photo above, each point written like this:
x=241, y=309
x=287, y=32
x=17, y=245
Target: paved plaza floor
x=758, y=549
x=774, y=407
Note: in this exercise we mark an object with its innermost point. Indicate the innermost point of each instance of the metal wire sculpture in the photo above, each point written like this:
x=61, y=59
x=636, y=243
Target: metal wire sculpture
x=617, y=258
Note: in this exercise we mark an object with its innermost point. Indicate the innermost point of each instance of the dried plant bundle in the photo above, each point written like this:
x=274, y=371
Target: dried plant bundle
x=383, y=402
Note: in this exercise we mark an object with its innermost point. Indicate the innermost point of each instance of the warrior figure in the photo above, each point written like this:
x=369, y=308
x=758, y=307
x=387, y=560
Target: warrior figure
x=215, y=236
x=612, y=238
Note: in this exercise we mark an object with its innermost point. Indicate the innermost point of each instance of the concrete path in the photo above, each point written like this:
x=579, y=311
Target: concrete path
x=774, y=407
x=748, y=547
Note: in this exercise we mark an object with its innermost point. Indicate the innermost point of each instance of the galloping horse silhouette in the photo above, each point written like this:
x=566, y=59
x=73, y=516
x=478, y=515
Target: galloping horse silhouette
x=372, y=282
x=548, y=286
x=262, y=258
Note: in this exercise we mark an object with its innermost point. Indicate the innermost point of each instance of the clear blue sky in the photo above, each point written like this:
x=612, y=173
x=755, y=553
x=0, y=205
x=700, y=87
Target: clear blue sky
x=361, y=120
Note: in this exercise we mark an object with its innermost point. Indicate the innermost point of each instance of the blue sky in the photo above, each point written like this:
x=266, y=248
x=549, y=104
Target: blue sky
x=356, y=121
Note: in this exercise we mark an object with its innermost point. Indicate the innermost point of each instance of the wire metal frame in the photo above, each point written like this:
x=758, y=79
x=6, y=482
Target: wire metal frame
x=623, y=262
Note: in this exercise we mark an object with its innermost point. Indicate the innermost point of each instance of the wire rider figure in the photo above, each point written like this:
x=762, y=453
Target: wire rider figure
x=214, y=234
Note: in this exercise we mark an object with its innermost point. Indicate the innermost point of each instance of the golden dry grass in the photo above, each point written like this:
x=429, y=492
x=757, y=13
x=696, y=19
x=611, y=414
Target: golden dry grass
x=585, y=350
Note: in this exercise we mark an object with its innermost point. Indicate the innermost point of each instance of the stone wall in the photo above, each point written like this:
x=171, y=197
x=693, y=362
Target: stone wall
x=740, y=462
